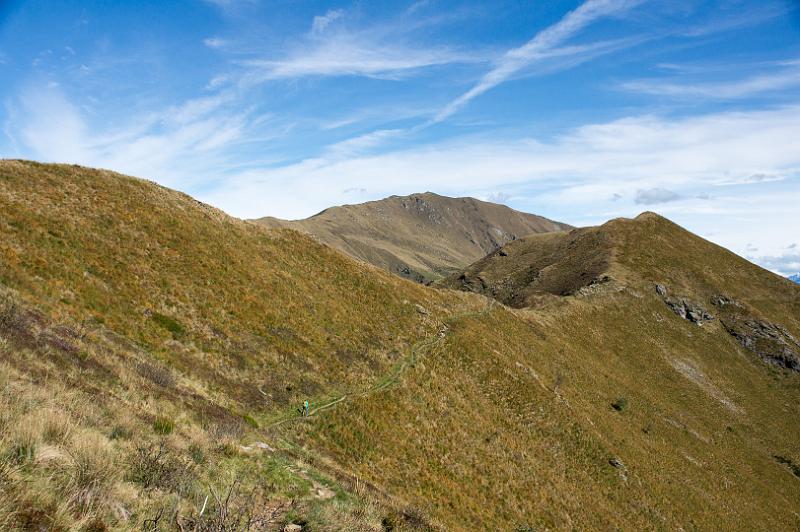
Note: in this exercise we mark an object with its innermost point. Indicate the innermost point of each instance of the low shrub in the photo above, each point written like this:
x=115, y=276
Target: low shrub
x=156, y=466
x=156, y=374
x=620, y=404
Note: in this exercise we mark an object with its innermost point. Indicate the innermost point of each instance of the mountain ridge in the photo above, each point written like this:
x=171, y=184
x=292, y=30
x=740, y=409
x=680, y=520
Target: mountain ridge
x=421, y=236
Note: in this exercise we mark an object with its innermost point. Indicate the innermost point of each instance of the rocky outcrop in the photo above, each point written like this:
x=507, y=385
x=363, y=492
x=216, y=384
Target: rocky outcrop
x=771, y=342
x=685, y=308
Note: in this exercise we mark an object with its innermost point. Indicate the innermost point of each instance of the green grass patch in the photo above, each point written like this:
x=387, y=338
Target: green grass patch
x=163, y=426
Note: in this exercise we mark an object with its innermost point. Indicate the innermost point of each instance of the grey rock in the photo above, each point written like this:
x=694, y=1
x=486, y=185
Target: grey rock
x=661, y=290
x=770, y=342
x=723, y=301
x=616, y=462
x=688, y=310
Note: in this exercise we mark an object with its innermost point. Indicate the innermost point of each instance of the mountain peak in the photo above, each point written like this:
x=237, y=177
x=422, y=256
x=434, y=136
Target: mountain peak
x=422, y=236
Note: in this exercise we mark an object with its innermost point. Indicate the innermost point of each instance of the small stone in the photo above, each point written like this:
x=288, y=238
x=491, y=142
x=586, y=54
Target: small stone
x=292, y=528
x=661, y=290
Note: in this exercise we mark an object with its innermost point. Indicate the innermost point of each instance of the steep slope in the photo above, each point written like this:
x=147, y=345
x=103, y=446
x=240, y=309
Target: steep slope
x=133, y=316
x=422, y=236
x=154, y=352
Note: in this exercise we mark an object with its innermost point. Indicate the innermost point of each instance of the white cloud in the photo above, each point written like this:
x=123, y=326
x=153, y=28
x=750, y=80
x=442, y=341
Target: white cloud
x=788, y=264
x=351, y=55
x=177, y=146
x=215, y=43
x=591, y=162
x=321, y=22
x=542, y=46
x=728, y=90
x=498, y=197
x=52, y=125
x=357, y=145
x=653, y=196
x=576, y=178
x=332, y=48
x=752, y=179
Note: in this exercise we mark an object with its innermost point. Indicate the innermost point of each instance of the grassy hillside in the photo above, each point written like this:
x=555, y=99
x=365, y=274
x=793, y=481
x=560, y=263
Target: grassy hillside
x=166, y=317
x=423, y=236
x=154, y=353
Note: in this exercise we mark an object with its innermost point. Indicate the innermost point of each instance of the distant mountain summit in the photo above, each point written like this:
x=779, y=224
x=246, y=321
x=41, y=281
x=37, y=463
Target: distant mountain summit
x=422, y=237
x=795, y=278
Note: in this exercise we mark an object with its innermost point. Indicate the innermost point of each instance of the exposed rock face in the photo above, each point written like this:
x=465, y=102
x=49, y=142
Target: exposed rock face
x=685, y=308
x=772, y=343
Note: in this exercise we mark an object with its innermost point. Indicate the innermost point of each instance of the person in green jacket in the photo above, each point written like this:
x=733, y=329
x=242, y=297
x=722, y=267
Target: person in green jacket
x=305, y=409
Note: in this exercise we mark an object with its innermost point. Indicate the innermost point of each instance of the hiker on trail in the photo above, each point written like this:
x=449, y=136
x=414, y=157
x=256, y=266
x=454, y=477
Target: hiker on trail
x=305, y=409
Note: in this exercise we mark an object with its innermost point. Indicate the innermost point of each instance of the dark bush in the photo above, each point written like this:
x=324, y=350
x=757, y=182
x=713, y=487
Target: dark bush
x=407, y=518
x=170, y=324
x=620, y=404
x=120, y=432
x=156, y=374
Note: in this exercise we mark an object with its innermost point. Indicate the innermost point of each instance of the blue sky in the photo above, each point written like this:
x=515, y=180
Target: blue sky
x=579, y=111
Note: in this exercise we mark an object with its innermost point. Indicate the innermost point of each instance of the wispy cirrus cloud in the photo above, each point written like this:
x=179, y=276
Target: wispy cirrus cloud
x=215, y=43
x=786, y=78
x=172, y=143
x=752, y=179
x=321, y=22
x=351, y=55
x=542, y=46
x=332, y=48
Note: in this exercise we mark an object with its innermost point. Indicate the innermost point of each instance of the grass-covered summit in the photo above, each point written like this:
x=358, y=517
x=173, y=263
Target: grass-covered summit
x=421, y=236
x=154, y=353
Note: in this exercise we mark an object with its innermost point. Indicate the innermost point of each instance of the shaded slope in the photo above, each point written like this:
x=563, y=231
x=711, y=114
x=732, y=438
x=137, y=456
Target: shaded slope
x=553, y=263
x=422, y=236
x=649, y=247
x=142, y=318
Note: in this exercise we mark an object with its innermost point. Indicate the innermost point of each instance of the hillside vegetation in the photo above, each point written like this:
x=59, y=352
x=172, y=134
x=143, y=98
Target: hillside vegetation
x=154, y=353
x=422, y=237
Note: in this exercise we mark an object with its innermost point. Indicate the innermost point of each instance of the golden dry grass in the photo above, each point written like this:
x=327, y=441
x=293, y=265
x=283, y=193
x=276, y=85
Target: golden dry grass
x=148, y=342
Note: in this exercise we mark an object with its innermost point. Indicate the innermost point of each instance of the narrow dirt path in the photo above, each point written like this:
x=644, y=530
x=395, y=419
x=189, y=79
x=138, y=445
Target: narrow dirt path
x=394, y=376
